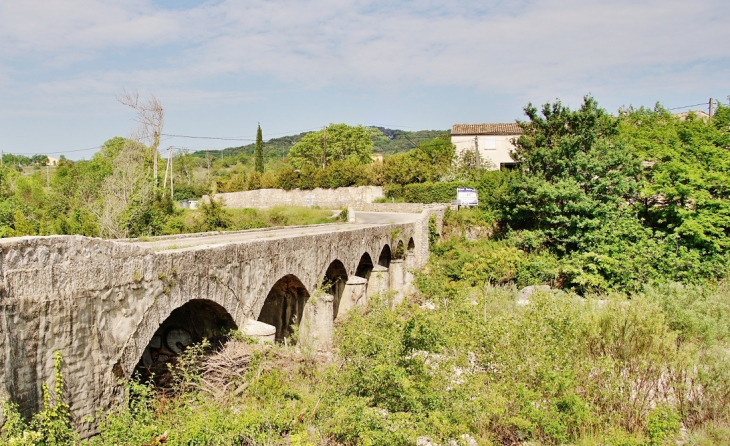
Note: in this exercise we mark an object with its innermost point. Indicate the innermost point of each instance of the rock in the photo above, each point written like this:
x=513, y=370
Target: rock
x=523, y=297
x=428, y=305
x=468, y=440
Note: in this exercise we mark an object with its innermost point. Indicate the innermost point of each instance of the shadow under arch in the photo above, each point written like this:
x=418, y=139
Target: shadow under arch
x=364, y=267
x=334, y=282
x=284, y=306
x=385, y=256
x=188, y=324
x=411, y=246
x=400, y=250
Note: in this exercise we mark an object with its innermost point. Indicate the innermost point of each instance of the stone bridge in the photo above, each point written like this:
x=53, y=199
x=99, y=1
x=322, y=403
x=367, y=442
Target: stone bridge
x=113, y=307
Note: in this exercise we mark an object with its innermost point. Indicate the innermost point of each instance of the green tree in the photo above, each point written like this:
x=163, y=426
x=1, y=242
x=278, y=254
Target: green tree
x=343, y=142
x=576, y=175
x=259, y=151
x=430, y=161
x=685, y=194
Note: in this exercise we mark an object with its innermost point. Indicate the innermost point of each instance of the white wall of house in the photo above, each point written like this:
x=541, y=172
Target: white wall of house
x=492, y=148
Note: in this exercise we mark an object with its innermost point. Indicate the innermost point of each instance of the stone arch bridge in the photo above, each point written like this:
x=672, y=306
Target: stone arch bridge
x=111, y=307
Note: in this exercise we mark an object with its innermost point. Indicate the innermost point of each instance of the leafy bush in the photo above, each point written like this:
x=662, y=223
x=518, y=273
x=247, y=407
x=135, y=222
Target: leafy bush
x=428, y=192
x=50, y=426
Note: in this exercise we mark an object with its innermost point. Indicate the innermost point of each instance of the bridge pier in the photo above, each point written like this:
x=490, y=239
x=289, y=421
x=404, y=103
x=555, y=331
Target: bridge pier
x=317, y=325
x=259, y=331
x=408, y=278
x=354, y=294
x=396, y=280
x=379, y=281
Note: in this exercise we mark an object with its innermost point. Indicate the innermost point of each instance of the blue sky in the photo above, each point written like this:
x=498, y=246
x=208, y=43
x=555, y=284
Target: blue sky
x=220, y=67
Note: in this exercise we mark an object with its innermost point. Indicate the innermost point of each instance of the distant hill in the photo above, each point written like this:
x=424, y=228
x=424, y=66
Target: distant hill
x=275, y=147
x=391, y=142
x=396, y=141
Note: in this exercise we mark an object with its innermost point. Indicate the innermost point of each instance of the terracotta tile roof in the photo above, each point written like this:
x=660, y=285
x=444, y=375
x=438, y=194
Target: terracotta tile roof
x=510, y=128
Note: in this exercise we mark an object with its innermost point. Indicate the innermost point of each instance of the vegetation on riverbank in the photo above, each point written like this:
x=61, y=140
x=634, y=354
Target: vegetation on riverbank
x=459, y=362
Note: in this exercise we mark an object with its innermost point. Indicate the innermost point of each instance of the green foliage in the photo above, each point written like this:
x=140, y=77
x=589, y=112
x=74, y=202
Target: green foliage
x=582, y=197
x=254, y=181
x=343, y=142
x=386, y=141
x=433, y=233
x=51, y=426
x=576, y=175
x=662, y=423
x=428, y=162
x=426, y=192
x=390, y=142
x=558, y=370
x=238, y=219
x=213, y=216
x=685, y=193
x=259, y=151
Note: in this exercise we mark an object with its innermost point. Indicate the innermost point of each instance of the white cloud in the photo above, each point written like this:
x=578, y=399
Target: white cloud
x=527, y=49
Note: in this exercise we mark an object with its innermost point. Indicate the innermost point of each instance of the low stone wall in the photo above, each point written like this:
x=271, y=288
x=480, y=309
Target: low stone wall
x=323, y=198
x=413, y=208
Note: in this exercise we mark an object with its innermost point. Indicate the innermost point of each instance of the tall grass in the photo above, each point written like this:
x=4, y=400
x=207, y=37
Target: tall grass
x=248, y=218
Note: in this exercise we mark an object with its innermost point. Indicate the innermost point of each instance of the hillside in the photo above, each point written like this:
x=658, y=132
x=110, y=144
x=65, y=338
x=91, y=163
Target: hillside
x=391, y=141
x=396, y=141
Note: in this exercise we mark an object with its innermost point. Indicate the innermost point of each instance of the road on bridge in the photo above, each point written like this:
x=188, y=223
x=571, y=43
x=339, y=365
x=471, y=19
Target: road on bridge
x=362, y=220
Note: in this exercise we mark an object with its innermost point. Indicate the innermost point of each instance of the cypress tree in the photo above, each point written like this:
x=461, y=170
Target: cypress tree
x=259, y=152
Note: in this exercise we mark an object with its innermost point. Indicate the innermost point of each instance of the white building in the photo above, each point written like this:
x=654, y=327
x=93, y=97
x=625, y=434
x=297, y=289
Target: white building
x=493, y=142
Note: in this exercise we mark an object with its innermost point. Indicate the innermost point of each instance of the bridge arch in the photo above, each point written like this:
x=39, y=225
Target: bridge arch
x=411, y=248
x=187, y=324
x=334, y=282
x=385, y=256
x=284, y=306
x=192, y=320
x=400, y=251
x=364, y=266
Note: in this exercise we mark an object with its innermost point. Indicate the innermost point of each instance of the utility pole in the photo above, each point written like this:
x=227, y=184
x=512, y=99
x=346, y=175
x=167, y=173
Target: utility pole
x=155, y=143
x=2, y=155
x=172, y=188
x=476, y=150
x=167, y=167
x=324, y=147
x=710, y=107
x=48, y=176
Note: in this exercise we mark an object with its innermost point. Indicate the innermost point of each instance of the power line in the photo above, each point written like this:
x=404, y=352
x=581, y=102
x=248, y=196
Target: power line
x=219, y=138
x=389, y=126
x=55, y=153
x=208, y=137
x=238, y=138
x=687, y=106
x=697, y=105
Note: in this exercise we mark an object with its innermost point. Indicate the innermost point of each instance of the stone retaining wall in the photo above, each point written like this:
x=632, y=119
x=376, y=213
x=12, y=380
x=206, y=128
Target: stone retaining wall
x=412, y=208
x=324, y=198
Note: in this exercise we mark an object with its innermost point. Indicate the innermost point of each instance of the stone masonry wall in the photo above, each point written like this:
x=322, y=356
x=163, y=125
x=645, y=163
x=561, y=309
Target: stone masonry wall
x=324, y=198
x=100, y=302
x=390, y=207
